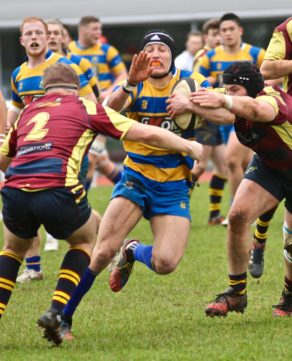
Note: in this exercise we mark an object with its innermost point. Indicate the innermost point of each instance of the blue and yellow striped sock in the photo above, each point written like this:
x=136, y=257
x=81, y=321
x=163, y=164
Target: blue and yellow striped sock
x=33, y=263
x=9, y=267
x=74, y=264
x=143, y=254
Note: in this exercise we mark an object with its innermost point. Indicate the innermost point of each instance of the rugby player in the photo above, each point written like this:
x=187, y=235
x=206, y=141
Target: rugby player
x=42, y=155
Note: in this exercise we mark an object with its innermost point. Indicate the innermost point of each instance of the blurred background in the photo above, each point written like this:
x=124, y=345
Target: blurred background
x=125, y=22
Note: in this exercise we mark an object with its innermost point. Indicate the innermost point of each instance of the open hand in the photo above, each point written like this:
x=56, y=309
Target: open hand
x=140, y=69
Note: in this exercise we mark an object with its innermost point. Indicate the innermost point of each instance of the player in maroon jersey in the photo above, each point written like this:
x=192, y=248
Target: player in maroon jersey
x=263, y=121
x=42, y=155
x=277, y=63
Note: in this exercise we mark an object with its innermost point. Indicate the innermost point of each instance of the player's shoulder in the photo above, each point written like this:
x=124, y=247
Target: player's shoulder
x=285, y=26
x=17, y=71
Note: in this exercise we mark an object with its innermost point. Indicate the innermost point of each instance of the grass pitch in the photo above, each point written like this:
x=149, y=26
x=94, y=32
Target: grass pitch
x=158, y=317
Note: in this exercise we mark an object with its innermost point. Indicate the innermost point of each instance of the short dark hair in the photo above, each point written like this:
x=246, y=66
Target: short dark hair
x=85, y=20
x=210, y=24
x=230, y=16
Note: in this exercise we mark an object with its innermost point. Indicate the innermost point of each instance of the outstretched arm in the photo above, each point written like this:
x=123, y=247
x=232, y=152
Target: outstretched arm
x=241, y=106
x=179, y=104
x=161, y=138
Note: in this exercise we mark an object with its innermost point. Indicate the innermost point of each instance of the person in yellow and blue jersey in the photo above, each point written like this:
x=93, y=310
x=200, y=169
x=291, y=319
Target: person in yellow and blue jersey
x=26, y=79
x=26, y=84
x=110, y=70
x=56, y=43
x=155, y=183
x=212, y=65
x=106, y=60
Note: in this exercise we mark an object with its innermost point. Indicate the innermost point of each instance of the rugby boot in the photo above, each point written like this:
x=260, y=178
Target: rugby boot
x=256, y=261
x=284, y=307
x=121, y=272
x=50, y=321
x=225, y=302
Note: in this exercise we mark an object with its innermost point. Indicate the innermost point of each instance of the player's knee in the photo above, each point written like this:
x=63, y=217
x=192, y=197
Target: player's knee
x=232, y=163
x=237, y=216
x=164, y=265
x=105, y=252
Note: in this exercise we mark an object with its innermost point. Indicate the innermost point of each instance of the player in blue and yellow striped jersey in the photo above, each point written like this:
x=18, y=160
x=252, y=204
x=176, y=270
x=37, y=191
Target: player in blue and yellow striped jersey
x=210, y=136
x=110, y=70
x=56, y=43
x=155, y=183
x=212, y=65
x=106, y=60
x=42, y=155
x=26, y=80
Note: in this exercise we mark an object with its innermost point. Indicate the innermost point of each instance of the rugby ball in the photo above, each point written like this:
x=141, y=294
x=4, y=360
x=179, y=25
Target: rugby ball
x=185, y=86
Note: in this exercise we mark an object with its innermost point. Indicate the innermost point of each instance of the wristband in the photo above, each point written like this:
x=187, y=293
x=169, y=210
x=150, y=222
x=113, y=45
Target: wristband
x=228, y=102
x=127, y=87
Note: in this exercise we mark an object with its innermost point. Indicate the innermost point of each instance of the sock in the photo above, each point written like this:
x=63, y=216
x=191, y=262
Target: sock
x=79, y=292
x=216, y=188
x=33, y=263
x=143, y=254
x=9, y=267
x=288, y=285
x=74, y=264
x=263, y=222
x=238, y=283
x=115, y=175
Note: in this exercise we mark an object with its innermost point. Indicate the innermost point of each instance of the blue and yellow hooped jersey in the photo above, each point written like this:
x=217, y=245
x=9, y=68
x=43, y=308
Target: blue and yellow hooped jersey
x=86, y=68
x=26, y=83
x=148, y=105
x=215, y=61
x=105, y=59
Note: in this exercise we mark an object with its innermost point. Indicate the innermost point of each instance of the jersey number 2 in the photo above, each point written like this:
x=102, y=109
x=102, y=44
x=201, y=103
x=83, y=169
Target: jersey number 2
x=38, y=132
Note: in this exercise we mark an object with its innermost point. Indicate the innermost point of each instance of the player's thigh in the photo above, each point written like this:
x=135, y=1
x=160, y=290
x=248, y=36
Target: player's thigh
x=15, y=243
x=218, y=158
x=235, y=151
x=85, y=236
x=119, y=219
x=251, y=201
x=170, y=236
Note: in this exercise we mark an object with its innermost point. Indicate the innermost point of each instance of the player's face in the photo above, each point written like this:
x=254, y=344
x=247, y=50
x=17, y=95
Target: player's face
x=234, y=89
x=160, y=58
x=91, y=32
x=213, y=38
x=34, y=38
x=230, y=33
x=55, y=40
x=194, y=43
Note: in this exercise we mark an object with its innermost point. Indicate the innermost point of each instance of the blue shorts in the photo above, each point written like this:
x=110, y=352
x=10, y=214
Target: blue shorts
x=225, y=131
x=209, y=134
x=279, y=187
x=55, y=209
x=154, y=198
